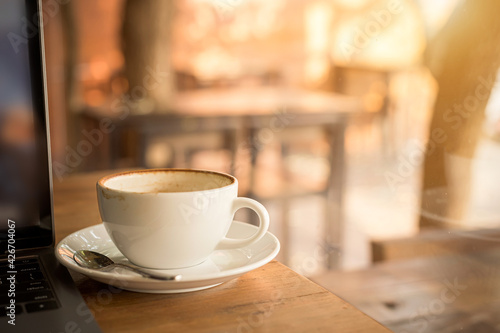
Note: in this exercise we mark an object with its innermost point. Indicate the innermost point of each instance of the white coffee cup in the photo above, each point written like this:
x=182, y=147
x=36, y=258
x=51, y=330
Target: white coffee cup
x=173, y=218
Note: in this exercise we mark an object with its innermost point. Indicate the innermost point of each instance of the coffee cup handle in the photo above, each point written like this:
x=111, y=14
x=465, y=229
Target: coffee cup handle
x=257, y=207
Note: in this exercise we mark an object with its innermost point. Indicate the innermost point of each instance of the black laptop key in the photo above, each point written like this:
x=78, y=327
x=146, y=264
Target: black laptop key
x=25, y=261
x=26, y=287
x=43, y=295
x=33, y=267
x=29, y=276
x=41, y=306
x=32, y=286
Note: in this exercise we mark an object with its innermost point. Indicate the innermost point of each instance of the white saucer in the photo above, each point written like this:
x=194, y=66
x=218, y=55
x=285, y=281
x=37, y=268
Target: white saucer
x=221, y=266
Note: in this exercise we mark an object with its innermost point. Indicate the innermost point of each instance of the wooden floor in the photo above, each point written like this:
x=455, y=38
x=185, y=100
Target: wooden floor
x=445, y=294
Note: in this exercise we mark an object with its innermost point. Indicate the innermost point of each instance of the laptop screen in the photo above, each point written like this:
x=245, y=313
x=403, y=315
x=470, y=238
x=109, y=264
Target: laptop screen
x=25, y=195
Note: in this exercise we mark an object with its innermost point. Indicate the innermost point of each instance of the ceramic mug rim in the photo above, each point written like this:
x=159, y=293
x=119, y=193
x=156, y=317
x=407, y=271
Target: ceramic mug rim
x=102, y=182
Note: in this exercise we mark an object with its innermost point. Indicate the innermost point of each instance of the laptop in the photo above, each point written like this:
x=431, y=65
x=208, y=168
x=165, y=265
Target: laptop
x=37, y=294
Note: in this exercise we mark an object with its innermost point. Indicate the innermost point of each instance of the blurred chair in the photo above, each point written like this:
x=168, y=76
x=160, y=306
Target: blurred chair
x=180, y=150
x=372, y=86
x=175, y=141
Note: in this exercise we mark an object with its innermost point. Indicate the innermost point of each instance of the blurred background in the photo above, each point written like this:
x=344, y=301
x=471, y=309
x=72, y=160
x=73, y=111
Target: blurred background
x=370, y=129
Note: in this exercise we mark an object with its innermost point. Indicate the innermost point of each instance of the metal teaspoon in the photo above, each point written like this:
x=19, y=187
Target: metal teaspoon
x=98, y=261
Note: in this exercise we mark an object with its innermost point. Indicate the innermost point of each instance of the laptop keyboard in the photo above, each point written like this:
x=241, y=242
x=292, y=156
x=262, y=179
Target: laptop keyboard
x=33, y=292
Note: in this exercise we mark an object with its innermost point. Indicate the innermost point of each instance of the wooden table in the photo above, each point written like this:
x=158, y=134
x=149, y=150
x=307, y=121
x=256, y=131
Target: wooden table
x=272, y=298
x=452, y=286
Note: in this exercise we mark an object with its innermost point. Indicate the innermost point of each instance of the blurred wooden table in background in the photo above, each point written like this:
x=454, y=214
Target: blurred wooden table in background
x=241, y=120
